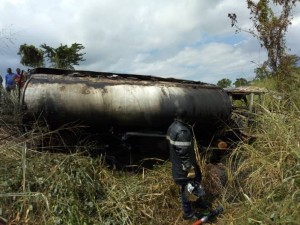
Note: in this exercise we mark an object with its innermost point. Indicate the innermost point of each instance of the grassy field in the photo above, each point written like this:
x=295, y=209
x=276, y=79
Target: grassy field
x=39, y=187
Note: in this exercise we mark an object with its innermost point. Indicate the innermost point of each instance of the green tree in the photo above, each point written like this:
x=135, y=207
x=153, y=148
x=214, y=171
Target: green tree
x=64, y=57
x=270, y=29
x=31, y=56
x=240, y=82
x=224, y=83
x=262, y=72
x=290, y=65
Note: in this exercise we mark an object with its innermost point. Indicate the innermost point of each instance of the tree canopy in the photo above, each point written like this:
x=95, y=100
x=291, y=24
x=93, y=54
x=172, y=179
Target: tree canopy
x=240, y=82
x=63, y=57
x=224, y=83
x=270, y=27
x=31, y=56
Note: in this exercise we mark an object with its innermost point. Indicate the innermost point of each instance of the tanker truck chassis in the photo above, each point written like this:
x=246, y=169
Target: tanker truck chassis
x=126, y=106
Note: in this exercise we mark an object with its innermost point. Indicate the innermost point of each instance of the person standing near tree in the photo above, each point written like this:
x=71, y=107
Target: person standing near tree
x=185, y=170
x=10, y=80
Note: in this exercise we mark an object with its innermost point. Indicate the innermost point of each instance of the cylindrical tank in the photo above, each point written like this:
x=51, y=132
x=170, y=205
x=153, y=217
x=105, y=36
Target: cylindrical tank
x=132, y=102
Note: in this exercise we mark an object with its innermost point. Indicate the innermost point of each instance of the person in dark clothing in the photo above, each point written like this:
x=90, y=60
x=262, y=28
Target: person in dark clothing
x=185, y=170
x=18, y=78
x=1, y=87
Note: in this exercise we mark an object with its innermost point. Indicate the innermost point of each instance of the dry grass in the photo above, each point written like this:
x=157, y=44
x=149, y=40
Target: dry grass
x=76, y=189
x=55, y=188
x=264, y=186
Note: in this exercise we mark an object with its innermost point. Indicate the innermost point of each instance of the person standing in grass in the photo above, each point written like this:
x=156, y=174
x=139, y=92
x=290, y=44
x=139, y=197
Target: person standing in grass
x=185, y=170
x=1, y=87
x=18, y=78
x=10, y=80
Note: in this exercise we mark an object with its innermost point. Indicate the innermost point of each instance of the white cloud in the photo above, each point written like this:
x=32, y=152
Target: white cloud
x=210, y=63
x=181, y=38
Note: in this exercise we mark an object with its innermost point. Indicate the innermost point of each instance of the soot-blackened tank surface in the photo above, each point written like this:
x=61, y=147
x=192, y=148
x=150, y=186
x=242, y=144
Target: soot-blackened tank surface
x=100, y=99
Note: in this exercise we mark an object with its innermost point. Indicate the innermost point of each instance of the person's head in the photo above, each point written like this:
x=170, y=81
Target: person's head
x=9, y=70
x=18, y=70
x=181, y=114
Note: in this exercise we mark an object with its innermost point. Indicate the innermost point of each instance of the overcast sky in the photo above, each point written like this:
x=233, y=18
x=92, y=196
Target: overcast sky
x=187, y=39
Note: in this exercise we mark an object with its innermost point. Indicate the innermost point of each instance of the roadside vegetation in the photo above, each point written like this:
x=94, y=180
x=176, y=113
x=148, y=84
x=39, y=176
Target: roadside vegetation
x=264, y=186
x=48, y=187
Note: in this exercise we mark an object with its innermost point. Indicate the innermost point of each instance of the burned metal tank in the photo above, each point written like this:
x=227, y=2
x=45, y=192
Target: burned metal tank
x=128, y=102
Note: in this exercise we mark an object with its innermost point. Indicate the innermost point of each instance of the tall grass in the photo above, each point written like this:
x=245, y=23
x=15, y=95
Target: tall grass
x=75, y=189
x=264, y=186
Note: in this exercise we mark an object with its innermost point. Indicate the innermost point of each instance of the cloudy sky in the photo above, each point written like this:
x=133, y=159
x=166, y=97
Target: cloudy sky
x=187, y=39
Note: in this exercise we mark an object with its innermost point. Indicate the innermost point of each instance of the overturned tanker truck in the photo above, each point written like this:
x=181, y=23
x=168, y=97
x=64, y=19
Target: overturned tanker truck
x=134, y=108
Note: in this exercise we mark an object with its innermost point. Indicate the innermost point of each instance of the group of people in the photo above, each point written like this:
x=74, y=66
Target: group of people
x=12, y=80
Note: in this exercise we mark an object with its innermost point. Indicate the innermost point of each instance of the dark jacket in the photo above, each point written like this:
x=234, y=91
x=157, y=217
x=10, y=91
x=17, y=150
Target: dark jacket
x=182, y=154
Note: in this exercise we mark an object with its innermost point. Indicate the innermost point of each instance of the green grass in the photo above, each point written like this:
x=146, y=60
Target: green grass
x=265, y=186
x=75, y=189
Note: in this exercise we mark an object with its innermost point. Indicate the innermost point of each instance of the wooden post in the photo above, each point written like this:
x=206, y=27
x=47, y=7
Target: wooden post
x=251, y=102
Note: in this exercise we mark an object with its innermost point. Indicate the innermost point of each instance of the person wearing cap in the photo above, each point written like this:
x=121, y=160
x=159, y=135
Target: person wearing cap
x=184, y=164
